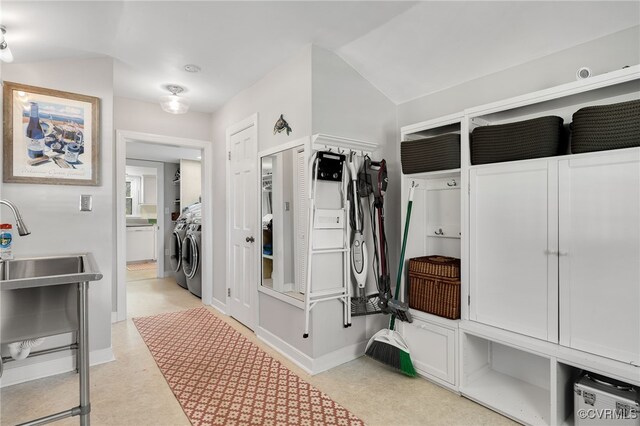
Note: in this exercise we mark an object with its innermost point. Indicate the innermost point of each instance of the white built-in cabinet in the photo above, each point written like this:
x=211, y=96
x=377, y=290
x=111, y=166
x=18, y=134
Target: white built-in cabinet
x=149, y=189
x=599, y=252
x=550, y=258
x=435, y=229
x=514, y=243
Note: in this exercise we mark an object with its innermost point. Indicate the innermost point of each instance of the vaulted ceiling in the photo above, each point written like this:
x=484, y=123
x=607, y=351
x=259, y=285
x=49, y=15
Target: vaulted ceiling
x=405, y=49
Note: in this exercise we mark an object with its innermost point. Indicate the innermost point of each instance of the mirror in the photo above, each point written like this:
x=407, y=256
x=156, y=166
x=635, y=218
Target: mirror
x=284, y=221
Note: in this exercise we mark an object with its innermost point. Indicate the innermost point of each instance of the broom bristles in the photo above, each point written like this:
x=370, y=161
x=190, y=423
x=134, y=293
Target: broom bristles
x=392, y=356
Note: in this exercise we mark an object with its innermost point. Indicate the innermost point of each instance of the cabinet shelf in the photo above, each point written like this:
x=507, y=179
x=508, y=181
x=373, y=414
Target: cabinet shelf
x=267, y=256
x=436, y=174
x=513, y=397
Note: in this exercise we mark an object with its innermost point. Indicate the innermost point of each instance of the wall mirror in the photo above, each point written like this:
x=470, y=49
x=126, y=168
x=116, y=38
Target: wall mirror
x=284, y=221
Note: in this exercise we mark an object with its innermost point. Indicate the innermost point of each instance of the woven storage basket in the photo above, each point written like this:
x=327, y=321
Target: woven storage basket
x=603, y=127
x=434, y=285
x=431, y=154
x=535, y=138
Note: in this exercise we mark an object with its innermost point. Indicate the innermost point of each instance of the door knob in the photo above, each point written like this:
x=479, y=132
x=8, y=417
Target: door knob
x=250, y=239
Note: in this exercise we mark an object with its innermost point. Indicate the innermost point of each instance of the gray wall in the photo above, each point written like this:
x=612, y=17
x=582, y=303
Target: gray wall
x=601, y=55
x=51, y=211
x=285, y=90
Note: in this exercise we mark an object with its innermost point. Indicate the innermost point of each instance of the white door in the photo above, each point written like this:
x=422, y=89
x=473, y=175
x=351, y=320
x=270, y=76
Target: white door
x=243, y=193
x=513, y=235
x=600, y=255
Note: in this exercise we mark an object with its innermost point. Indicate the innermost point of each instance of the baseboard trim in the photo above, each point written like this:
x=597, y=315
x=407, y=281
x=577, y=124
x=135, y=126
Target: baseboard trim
x=26, y=373
x=310, y=365
x=219, y=306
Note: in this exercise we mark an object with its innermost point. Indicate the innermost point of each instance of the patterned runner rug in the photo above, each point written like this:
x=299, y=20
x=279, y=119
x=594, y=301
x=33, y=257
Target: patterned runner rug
x=221, y=378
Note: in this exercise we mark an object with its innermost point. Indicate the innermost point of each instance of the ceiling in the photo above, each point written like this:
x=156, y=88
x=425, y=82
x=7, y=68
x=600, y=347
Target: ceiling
x=406, y=49
x=138, y=150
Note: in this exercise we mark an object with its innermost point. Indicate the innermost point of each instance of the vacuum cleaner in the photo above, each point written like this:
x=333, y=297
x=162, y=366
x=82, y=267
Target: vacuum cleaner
x=371, y=186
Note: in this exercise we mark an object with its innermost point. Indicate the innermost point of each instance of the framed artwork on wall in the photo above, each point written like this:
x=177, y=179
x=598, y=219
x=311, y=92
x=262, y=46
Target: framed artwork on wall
x=50, y=136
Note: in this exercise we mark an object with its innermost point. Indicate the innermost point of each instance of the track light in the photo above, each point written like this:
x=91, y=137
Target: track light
x=5, y=52
x=173, y=103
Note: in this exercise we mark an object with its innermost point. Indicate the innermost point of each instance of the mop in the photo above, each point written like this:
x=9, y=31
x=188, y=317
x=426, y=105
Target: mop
x=387, y=345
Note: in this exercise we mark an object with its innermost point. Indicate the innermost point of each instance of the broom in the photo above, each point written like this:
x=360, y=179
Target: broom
x=387, y=345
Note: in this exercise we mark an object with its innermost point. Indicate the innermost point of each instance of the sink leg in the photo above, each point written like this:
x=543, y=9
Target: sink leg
x=83, y=352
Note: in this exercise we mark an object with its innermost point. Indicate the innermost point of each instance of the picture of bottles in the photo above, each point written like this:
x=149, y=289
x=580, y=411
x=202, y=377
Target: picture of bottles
x=58, y=139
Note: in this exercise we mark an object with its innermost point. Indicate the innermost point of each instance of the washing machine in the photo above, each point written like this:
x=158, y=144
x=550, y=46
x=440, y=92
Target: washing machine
x=175, y=251
x=191, y=257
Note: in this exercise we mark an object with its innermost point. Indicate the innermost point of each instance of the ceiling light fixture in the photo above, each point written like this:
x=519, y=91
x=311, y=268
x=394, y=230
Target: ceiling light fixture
x=5, y=52
x=192, y=68
x=173, y=103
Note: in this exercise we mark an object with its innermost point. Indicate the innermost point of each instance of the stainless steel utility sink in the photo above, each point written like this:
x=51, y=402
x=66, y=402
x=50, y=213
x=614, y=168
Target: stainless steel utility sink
x=39, y=295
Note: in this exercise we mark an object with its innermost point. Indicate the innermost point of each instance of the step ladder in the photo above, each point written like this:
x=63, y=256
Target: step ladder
x=329, y=234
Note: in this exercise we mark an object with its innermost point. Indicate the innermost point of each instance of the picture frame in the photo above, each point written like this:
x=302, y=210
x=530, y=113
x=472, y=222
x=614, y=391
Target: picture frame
x=50, y=136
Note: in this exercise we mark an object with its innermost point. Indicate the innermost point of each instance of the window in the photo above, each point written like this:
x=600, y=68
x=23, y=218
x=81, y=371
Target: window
x=132, y=196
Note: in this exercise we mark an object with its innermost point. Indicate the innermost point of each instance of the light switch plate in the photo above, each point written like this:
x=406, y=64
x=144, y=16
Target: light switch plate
x=86, y=203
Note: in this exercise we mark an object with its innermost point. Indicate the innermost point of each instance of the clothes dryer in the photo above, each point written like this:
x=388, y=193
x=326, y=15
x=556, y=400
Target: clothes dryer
x=175, y=252
x=192, y=257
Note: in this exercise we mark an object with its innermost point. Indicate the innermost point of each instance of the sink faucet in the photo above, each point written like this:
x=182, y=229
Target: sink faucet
x=22, y=228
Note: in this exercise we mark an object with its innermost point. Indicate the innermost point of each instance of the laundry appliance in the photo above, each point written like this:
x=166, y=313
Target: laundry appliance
x=177, y=236
x=192, y=256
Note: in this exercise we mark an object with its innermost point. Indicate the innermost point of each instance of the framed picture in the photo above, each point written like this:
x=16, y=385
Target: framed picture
x=50, y=136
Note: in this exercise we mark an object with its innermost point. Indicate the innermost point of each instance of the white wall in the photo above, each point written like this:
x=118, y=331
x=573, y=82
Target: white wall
x=51, y=211
x=285, y=90
x=146, y=117
x=601, y=55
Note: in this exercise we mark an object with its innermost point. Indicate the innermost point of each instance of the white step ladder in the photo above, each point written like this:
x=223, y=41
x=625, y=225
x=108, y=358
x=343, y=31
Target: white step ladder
x=323, y=226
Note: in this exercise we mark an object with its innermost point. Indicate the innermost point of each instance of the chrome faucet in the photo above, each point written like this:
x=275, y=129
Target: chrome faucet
x=22, y=228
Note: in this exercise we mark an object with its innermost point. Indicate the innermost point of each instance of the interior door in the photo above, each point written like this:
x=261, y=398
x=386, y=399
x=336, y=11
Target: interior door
x=513, y=238
x=600, y=255
x=243, y=193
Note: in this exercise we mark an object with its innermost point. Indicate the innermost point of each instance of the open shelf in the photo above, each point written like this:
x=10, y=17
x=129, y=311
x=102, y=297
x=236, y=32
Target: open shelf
x=506, y=379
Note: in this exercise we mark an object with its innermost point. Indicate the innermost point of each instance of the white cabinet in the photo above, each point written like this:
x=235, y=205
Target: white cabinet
x=600, y=254
x=141, y=243
x=513, y=235
x=433, y=346
x=149, y=189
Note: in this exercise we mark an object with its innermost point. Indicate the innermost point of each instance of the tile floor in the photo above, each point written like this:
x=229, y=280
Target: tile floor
x=132, y=391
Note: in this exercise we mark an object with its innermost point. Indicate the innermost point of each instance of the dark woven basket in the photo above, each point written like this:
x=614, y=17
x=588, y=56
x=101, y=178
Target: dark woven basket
x=604, y=127
x=535, y=138
x=434, y=285
x=431, y=154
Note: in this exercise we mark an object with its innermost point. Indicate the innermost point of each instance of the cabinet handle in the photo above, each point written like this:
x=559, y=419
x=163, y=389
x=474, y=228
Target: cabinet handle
x=250, y=239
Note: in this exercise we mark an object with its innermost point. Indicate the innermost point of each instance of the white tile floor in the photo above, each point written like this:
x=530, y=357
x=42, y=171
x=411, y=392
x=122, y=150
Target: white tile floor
x=132, y=391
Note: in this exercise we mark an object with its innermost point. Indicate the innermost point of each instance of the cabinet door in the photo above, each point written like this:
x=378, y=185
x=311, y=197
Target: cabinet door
x=513, y=233
x=433, y=349
x=140, y=243
x=149, y=189
x=600, y=255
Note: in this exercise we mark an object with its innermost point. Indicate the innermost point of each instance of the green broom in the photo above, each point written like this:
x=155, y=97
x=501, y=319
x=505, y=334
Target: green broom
x=387, y=345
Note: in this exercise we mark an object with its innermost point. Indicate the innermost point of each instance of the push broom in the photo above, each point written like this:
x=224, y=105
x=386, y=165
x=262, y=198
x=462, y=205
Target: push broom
x=387, y=345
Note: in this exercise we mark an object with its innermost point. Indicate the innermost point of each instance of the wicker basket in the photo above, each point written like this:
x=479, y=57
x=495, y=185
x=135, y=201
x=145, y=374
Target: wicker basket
x=431, y=154
x=604, y=127
x=434, y=285
x=535, y=138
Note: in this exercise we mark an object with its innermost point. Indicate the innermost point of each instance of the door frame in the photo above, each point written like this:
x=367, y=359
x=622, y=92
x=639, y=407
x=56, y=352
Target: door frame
x=249, y=122
x=124, y=136
x=160, y=267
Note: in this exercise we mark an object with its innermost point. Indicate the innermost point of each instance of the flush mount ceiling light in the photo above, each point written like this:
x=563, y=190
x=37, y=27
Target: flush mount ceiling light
x=173, y=103
x=5, y=52
x=192, y=68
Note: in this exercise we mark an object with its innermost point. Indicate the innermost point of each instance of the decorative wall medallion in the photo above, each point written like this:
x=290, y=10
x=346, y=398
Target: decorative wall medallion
x=281, y=125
